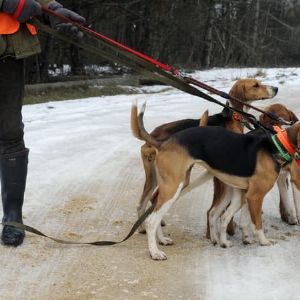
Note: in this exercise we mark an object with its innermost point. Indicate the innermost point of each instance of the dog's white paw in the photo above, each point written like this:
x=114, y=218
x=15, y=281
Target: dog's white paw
x=214, y=241
x=166, y=241
x=142, y=229
x=226, y=244
x=158, y=255
x=292, y=220
x=214, y=236
x=268, y=242
x=248, y=241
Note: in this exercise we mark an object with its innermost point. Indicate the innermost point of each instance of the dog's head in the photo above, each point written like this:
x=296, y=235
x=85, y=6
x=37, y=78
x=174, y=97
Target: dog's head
x=249, y=90
x=280, y=111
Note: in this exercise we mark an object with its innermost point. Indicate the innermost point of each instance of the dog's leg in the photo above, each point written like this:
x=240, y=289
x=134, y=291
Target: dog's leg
x=245, y=222
x=216, y=212
x=219, y=194
x=234, y=206
x=255, y=200
x=153, y=221
x=148, y=158
x=296, y=194
x=295, y=180
x=286, y=210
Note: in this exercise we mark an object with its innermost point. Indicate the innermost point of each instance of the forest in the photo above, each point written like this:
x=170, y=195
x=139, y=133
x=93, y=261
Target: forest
x=190, y=34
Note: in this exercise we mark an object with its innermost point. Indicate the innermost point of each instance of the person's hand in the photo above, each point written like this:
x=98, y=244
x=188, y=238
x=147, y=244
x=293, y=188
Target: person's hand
x=62, y=26
x=22, y=10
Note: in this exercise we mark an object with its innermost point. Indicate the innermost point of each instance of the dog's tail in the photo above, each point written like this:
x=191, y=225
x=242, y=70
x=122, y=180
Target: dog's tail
x=138, y=128
x=204, y=119
x=134, y=121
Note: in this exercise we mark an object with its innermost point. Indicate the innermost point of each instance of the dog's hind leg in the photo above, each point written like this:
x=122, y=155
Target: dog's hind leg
x=234, y=206
x=215, y=213
x=148, y=157
x=167, y=196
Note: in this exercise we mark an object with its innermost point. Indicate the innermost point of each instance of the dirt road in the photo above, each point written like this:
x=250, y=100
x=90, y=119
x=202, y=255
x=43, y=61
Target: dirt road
x=85, y=177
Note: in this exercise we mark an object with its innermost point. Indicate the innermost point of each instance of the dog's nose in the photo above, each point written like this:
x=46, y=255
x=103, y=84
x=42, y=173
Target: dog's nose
x=275, y=89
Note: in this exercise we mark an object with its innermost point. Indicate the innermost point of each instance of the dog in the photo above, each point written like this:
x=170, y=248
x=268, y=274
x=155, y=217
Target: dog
x=286, y=210
x=248, y=163
x=247, y=90
x=285, y=206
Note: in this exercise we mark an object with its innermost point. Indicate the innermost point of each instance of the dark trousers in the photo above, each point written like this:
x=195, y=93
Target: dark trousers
x=11, y=100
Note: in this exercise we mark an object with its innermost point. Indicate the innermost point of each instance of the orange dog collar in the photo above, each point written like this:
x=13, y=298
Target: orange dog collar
x=237, y=117
x=284, y=140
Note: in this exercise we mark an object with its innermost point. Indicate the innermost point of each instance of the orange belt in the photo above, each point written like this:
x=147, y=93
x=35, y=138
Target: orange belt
x=9, y=25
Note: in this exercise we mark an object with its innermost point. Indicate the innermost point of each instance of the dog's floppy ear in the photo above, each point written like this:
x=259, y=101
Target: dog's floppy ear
x=238, y=91
x=293, y=117
x=204, y=119
x=263, y=118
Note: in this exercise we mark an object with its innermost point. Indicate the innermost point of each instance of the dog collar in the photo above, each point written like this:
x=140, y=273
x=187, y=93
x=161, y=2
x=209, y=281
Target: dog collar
x=289, y=151
x=237, y=117
x=285, y=155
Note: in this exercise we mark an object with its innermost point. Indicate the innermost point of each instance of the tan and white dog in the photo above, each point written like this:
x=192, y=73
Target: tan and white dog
x=289, y=210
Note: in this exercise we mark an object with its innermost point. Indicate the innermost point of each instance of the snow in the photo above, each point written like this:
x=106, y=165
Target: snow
x=83, y=150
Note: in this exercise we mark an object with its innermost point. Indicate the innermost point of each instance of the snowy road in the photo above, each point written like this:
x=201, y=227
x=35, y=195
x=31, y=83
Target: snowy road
x=85, y=178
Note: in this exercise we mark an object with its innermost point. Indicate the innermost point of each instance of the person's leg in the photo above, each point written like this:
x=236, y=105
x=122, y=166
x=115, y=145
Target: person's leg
x=13, y=154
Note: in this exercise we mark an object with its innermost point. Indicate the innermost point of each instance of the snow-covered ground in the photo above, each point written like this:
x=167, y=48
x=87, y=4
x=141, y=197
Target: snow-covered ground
x=85, y=178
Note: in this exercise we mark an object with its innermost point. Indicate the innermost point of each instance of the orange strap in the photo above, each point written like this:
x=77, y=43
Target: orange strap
x=284, y=140
x=9, y=25
x=237, y=117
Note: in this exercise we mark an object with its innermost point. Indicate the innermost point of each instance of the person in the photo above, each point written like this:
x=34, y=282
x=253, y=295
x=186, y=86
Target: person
x=18, y=40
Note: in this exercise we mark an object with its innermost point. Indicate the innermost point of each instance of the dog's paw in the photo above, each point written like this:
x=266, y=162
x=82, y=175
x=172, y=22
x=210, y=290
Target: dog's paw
x=158, y=255
x=214, y=237
x=166, y=241
x=268, y=242
x=290, y=219
x=248, y=241
x=214, y=241
x=226, y=244
x=142, y=230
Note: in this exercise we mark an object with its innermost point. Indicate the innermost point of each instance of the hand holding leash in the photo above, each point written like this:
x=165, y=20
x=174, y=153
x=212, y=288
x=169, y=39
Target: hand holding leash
x=62, y=26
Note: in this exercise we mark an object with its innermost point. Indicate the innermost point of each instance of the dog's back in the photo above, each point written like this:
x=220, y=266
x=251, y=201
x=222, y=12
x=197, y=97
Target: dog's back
x=203, y=143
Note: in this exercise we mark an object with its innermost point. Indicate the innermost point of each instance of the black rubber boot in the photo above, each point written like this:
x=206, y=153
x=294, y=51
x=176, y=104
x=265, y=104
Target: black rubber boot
x=13, y=172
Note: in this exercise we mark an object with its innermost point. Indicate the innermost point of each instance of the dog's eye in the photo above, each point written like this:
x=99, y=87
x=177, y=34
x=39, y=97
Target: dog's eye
x=256, y=85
